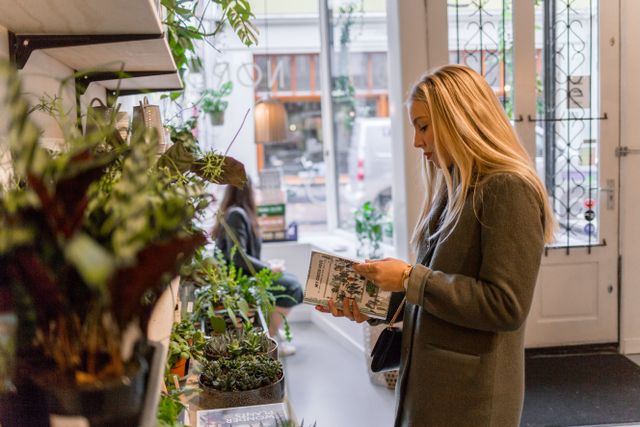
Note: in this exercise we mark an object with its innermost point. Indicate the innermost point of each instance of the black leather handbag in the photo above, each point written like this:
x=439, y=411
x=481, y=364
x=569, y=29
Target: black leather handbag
x=385, y=355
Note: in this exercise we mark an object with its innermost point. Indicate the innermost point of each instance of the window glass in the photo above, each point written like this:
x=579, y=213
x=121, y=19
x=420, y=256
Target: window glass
x=361, y=127
x=481, y=37
x=567, y=122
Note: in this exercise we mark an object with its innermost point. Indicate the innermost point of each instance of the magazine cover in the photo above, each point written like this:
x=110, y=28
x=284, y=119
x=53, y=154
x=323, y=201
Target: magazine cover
x=334, y=276
x=244, y=416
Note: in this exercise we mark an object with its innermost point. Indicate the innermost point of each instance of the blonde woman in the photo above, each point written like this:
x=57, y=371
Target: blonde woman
x=479, y=242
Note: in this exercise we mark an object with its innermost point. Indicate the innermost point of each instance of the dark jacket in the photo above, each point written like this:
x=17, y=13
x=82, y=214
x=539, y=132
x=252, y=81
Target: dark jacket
x=238, y=221
x=463, y=340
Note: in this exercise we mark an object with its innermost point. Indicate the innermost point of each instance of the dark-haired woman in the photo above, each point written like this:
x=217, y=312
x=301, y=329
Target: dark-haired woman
x=239, y=209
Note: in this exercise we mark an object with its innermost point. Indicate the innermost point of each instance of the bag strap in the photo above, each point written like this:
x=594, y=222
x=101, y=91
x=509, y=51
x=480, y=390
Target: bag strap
x=397, y=313
x=99, y=102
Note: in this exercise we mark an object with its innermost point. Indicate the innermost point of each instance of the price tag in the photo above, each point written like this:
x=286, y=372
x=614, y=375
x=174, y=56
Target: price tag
x=68, y=421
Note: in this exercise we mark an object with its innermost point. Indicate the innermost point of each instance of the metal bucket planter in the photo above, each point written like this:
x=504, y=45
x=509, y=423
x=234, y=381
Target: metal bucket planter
x=217, y=118
x=210, y=398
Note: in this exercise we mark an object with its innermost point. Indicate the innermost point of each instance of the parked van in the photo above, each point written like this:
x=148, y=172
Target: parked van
x=370, y=163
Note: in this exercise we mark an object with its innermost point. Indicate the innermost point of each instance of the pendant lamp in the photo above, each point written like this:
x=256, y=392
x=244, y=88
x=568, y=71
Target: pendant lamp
x=271, y=121
x=269, y=115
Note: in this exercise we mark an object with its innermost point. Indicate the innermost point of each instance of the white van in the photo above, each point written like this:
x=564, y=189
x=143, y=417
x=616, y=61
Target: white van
x=370, y=164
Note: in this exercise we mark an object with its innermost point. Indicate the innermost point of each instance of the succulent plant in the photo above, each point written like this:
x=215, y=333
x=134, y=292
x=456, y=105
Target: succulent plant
x=242, y=373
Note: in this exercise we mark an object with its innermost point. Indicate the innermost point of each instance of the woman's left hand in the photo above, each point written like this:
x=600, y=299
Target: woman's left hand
x=385, y=273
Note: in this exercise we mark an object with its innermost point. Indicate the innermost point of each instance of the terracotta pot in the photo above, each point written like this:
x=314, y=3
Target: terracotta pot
x=210, y=398
x=180, y=368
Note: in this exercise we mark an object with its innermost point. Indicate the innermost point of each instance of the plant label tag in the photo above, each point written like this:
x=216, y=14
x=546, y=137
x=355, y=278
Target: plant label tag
x=68, y=421
x=190, y=307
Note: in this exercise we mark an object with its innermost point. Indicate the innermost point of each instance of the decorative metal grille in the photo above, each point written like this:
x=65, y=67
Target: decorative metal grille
x=481, y=37
x=568, y=118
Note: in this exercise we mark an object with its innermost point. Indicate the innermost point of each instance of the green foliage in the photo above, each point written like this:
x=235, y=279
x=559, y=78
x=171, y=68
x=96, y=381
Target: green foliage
x=246, y=372
x=369, y=226
x=185, y=342
x=212, y=100
x=185, y=162
x=185, y=27
x=87, y=236
x=239, y=15
x=223, y=286
x=169, y=409
x=248, y=340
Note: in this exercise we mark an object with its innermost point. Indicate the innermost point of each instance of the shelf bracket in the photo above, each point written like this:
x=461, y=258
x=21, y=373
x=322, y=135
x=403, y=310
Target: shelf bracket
x=22, y=45
x=83, y=81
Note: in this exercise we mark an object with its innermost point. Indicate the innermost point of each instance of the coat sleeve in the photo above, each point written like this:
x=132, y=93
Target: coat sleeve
x=238, y=224
x=512, y=241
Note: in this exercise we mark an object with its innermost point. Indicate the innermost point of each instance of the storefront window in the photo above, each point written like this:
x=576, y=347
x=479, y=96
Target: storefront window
x=361, y=126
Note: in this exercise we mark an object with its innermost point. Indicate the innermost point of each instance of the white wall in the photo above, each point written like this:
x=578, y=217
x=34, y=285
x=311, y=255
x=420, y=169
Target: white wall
x=45, y=75
x=630, y=177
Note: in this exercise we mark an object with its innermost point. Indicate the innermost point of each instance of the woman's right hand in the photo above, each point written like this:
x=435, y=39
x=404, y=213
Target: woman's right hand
x=350, y=310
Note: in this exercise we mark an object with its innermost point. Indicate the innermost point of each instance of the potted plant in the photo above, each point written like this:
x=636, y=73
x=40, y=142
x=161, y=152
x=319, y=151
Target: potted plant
x=249, y=340
x=169, y=409
x=369, y=222
x=88, y=238
x=212, y=102
x=241, y=381
x=185, y=343
x=226, y=294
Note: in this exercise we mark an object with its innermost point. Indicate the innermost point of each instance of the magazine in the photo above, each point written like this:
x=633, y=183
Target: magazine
x=244, y=416
x=334, y=276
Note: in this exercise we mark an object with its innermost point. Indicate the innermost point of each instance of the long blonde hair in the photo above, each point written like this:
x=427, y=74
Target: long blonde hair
x=470, y=125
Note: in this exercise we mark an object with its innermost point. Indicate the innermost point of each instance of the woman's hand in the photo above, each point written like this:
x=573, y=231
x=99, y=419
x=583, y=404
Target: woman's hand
x=385, y=273
x=350, y=310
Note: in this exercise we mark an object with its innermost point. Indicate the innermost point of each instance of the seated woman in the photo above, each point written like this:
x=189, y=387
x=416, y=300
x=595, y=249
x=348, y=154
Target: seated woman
x=239, y=209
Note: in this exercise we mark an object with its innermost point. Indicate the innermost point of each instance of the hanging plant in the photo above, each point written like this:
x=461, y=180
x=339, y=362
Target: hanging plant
x=185, y=27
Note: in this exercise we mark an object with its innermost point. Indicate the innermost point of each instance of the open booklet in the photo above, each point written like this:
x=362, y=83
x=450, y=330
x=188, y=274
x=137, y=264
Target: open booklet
x=332, y=276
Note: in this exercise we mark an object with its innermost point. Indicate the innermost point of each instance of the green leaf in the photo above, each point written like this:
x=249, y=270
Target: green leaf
x=218, y=324
x=94, y=264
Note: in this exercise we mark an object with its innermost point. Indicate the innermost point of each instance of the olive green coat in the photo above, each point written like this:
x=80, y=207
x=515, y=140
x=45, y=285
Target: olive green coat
x=463, y=340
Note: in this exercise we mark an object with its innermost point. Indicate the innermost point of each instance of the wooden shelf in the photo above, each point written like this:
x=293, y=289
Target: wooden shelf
x=140, y=84
x=80, y=16
x=141, y=55
x=94, y=36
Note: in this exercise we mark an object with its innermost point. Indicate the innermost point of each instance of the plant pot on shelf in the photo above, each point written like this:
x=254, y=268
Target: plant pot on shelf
x=210, y=398
x=217, y=118
x=242, y=381
x=180, y=368
x=109, y=403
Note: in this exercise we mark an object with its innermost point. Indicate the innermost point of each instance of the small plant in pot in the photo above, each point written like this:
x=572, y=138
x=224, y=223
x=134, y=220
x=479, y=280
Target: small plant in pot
x=248, y=340
x=212, y=102
x=242, y=381
x=226, y=295
x=185, y=343
x=369, y=222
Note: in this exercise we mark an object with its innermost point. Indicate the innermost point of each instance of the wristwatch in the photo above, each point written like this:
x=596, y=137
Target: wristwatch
x=405, y=276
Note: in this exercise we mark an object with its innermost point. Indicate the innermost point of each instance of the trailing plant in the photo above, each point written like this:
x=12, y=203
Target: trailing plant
x=185, y=26
x=246, y=372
